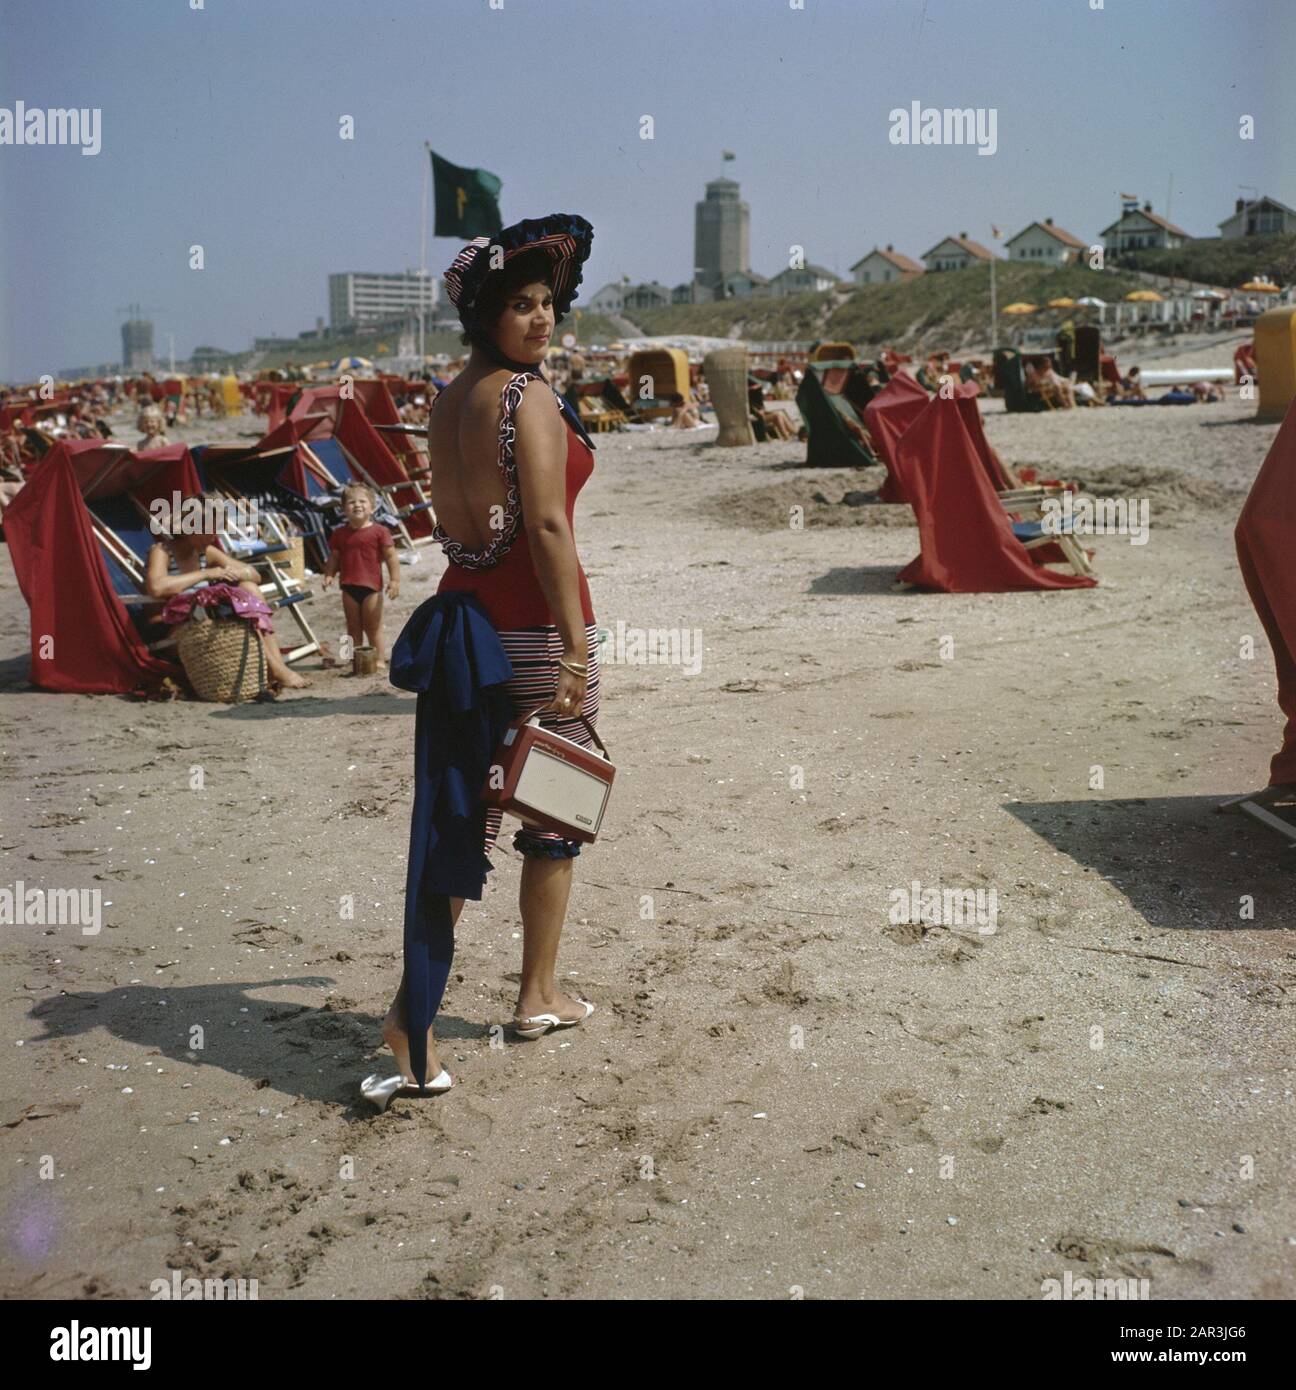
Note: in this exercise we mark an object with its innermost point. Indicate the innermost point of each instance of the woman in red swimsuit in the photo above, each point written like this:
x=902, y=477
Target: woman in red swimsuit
x=508, y=459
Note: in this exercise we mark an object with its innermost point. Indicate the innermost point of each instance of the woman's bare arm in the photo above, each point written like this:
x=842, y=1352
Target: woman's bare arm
x=158, y=583
x=241, y=573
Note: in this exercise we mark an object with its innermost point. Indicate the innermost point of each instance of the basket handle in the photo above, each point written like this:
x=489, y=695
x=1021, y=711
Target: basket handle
x=593, y=732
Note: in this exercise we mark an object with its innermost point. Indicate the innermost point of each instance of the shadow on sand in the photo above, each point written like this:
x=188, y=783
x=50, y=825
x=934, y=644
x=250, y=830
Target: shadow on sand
x=861, y=579
x=308, y=706
x=316, y=1051
x=1183, y=866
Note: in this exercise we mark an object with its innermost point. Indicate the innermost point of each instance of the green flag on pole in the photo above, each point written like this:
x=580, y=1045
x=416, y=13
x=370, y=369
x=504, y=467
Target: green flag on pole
x=467, y=200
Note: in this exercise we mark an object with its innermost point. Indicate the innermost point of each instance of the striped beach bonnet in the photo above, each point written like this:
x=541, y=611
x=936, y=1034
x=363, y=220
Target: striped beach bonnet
x=564, y=236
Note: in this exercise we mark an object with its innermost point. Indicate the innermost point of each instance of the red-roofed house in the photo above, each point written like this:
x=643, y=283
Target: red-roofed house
x=1044, y=244
x=1139, y=228
x=957, y=253
x=883, y=267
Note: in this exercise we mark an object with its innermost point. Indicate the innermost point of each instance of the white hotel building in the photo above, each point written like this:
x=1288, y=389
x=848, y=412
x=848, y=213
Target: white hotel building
x=360, y=296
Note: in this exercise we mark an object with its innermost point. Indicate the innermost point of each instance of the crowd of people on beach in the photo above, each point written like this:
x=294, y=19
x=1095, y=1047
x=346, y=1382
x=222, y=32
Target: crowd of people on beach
x=364, y=547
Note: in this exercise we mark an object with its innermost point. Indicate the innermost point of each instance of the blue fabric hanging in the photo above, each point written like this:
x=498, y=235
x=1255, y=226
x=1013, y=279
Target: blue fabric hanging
x=451, y=656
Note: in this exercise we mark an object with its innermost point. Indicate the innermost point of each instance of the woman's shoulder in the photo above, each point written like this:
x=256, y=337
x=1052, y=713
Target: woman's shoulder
x=536, y=399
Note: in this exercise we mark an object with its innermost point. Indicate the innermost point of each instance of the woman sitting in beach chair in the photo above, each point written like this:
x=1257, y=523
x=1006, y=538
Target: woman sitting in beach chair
x=767, y=424
x=199, y=560
x=1050, y=387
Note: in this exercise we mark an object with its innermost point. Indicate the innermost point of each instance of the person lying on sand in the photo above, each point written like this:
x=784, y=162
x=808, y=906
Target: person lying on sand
x=199, y=560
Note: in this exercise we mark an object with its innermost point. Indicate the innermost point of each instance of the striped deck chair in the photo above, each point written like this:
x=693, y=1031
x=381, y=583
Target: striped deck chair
x=122, y=527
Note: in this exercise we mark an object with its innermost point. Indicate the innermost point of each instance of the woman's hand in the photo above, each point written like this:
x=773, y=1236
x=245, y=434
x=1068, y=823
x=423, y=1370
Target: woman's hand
x=571, y=690
x=393, y=589
x=223, y=574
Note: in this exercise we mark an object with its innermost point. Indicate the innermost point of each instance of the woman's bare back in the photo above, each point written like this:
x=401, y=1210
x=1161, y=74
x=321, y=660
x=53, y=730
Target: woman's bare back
x=463, y=444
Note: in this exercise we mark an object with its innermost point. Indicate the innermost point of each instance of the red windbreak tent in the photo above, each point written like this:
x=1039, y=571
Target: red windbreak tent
x=379, y=407
x=1266, y=546
x=970, y=412
x=886, y=417
x=967, y=538
x=82, y=638
x=275, y=400
x=351, y=424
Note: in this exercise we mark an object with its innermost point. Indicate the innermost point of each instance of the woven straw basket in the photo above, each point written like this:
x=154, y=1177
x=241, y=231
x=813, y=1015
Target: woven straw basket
x=725, y=370
x=223, y=659
x=293, y=563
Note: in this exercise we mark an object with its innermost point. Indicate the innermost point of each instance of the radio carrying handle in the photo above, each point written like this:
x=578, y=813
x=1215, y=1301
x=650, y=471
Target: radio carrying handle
x=593, y=732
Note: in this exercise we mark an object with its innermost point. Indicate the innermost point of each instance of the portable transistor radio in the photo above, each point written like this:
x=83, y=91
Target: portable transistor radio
x=548, y=782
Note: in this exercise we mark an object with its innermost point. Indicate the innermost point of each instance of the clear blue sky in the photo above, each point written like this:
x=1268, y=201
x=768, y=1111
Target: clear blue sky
x=220, y=128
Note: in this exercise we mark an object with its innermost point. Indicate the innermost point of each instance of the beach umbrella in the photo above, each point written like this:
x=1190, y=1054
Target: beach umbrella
x=1143, y=297
x=1062, y=303
x=1260, y=287
x=1208, y=294
x=1018, y=308
x=1090, y=301
x=344, y=364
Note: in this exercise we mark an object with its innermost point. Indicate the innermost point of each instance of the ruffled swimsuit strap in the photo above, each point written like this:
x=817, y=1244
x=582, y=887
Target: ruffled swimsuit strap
x=490, y=556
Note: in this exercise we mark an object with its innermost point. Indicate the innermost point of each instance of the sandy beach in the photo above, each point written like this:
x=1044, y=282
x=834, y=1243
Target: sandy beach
x=783, y=1092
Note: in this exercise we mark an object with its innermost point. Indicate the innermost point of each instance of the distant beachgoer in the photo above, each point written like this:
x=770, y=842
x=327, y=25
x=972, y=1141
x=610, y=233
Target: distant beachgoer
x=1132, y=386
x=200, y=560
x=357, y=552
x=684, y=416
x=1061, y=390
x=1046, y=384
x=1207, y=390
x=11, y=484
x=152, y=426
x=1085, y=394
x=1066, y=341
x=767, y=424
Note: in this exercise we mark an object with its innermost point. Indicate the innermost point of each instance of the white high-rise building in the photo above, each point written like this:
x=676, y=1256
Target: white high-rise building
x=362, y=296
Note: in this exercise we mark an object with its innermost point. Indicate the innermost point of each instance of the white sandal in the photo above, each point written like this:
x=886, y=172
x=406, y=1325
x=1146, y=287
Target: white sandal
x=522, y=1026
x=379, y=1090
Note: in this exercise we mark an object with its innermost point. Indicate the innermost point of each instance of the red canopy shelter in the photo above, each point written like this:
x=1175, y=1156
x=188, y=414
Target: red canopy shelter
x=967, y=538
x=352, y=423
x=1266, y=546
x=887, y=416
x=82, y=638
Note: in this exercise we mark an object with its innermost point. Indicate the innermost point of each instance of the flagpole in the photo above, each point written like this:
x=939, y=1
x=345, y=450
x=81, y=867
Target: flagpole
x=422, y=313
x=993, y=305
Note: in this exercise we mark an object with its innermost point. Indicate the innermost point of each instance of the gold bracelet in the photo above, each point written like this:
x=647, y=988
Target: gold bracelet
x=576, y=669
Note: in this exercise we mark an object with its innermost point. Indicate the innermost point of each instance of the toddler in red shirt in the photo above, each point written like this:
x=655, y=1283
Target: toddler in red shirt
x=357, y=552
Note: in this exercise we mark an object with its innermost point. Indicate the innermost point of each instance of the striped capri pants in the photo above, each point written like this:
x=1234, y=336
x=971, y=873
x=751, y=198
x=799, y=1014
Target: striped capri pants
x=534, y=653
